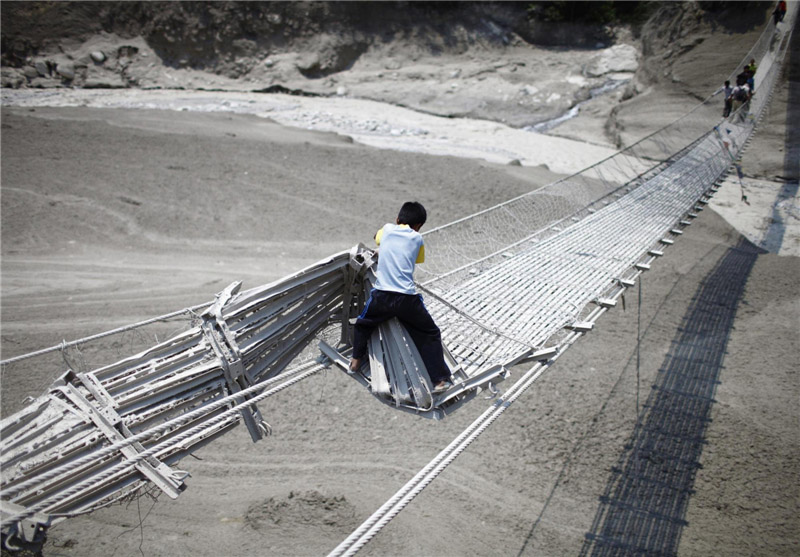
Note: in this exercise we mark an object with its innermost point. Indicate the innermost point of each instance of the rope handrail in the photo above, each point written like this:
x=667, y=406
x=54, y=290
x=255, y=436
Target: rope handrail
x=65, y=344
x=372, y=525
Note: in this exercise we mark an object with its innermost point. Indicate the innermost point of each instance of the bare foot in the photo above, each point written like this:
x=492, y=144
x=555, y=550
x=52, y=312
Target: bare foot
x=441, y=386
x=355, y=364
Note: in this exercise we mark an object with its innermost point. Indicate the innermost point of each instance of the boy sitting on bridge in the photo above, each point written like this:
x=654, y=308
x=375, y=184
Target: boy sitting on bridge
x=394, y=295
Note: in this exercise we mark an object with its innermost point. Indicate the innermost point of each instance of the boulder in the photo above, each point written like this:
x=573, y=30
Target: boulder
x=66, y=70
x=41, y=68
x=12, y=78
x=98, y=56
x=107, y=81
x=45, y=83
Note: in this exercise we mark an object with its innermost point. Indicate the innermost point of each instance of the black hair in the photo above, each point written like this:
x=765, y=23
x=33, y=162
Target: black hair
x=412, y=213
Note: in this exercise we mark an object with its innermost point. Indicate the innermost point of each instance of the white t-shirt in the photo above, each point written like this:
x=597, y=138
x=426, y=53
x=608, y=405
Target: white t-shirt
x=401, y=247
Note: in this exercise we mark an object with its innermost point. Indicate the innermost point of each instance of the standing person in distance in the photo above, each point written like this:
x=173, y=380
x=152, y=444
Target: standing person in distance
x=727, y=90
x=780, y=11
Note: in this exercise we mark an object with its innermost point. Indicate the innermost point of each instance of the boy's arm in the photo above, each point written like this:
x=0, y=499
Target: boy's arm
x=378, y=236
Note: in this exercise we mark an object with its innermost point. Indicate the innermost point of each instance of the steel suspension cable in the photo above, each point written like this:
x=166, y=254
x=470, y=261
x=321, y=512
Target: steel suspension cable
x=63, y=345
x=380, y=518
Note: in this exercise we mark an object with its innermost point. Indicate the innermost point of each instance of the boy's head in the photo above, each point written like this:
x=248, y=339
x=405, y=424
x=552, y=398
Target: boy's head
x=413, y=214
x=727, y=84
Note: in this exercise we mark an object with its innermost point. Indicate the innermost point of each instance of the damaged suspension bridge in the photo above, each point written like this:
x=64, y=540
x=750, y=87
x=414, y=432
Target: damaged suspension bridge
x=519, y=282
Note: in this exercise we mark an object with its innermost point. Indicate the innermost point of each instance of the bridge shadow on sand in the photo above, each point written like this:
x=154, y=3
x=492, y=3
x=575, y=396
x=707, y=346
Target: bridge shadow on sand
x=643, y=508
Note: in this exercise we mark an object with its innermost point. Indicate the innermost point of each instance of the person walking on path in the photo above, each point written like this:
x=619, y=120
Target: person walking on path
x=394, y=295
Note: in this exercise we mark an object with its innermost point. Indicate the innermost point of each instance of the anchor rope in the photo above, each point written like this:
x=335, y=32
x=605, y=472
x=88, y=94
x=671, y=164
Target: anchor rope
x=64, y=344
x=380, y=518
x=466, y=315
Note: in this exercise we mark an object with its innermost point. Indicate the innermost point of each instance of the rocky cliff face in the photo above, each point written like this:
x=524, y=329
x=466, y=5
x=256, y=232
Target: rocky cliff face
x=479, y=59
x=454, y=59
x=232, y=38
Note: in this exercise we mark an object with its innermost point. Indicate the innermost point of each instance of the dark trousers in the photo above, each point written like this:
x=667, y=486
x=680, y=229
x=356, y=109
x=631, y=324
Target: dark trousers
x=410, y=310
